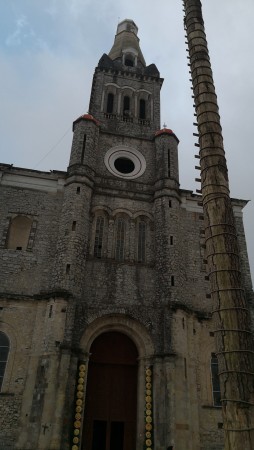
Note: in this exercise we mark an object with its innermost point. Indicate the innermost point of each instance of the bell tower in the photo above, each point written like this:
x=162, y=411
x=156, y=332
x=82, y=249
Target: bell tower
x=125, y=90
x=122, y=177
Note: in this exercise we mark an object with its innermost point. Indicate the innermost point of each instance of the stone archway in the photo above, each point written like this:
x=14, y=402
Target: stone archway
x=119, y=349
x=111, y=394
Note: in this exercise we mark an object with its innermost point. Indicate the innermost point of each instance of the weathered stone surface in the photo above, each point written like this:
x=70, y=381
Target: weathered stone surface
x=57, y=297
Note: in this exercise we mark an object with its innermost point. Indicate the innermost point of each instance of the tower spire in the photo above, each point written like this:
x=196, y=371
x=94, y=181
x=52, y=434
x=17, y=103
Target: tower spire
x=126, y=92
x=126, y=44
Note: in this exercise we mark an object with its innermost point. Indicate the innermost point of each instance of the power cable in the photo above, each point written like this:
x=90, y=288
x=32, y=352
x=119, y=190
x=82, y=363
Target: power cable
x=52, y=148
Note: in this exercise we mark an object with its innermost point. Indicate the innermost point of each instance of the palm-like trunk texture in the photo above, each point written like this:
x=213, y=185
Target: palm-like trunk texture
x=234, y=339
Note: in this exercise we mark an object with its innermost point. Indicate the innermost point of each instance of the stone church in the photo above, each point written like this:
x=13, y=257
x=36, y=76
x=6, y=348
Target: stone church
x=106, y=333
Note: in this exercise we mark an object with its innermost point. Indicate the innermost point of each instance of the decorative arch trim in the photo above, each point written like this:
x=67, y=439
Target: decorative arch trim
x=121, y=211
x=130, y=50
x=128, y=88
x=101, y=209
x=140, y=214
x=112, y=84
x=144, y=90
x=123, y=324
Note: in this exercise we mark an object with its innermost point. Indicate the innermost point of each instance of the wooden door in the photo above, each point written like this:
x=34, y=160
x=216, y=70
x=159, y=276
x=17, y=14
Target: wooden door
x=111, y=396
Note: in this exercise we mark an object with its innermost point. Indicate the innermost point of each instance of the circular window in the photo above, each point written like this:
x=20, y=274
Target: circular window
x=125, y=162
x=124, y=165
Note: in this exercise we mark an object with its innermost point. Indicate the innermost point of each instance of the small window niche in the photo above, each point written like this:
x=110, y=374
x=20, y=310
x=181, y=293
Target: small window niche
x=142, y=109
x=4, y=351
x=215, y=380
x=110, y=103
x=120, y=239
x=98, y=241
x=169, y=163
x=19, y=233
x=83, y=149
x=129, y=60
x=126, y=106
x=142, y=241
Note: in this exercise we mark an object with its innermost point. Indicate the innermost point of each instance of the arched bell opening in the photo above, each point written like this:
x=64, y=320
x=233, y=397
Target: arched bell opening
x=110, y=417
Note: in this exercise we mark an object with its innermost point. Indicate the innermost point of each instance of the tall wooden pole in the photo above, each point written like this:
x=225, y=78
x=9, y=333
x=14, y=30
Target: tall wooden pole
x=234, y=339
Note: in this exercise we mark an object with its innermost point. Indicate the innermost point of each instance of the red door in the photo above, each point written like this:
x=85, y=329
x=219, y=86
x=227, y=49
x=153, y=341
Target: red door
x=111, y=396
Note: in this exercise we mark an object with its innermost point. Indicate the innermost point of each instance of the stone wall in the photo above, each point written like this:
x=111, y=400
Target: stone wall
x=46, y=333
x=10, y=406
x=29, y=272
x=30, y=391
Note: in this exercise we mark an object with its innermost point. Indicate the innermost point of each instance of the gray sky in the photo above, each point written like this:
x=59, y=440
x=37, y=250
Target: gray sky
x=48, y=52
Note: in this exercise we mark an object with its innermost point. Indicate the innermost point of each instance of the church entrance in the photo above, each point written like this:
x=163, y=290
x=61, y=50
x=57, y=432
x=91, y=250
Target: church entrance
x=111, y=396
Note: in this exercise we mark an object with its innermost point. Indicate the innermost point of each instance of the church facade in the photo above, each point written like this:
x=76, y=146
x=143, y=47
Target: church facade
x=106, y=331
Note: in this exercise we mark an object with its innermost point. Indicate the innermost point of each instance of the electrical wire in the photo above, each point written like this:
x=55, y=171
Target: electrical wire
x=52, y=148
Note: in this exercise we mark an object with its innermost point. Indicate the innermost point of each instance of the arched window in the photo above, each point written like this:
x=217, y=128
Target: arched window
x=120, y=238
x=98, y=237
x=19, y=232
x=126, y=105
x=215, y=380
x=142, y=108
x=4, y=350
x=110, y=103
x=129, y=60
x=141, y=241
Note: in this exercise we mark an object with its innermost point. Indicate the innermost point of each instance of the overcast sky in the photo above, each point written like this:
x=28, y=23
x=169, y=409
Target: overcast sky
x=48, y=52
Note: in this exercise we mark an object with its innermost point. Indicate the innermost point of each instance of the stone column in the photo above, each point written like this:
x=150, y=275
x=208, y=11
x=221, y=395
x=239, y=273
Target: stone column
x=63, y=375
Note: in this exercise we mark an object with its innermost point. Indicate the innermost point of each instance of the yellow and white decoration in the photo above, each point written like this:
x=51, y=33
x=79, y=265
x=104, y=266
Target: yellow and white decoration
x=79, y=407
x=148, y=409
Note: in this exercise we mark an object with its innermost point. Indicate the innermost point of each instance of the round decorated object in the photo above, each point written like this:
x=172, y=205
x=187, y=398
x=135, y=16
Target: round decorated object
x=148, y=435
x=82, y=367
x=82, y=374
x=76, y=432
x=79, y=402
x=81, y=380
x=79, y=394
x=125, y=162
x=148, y=392
x=148, y=448
x=148, y=442
x=148, y=412
x=78, y=409
x=148, y=385
x=148, y=399
x=80, y=387
x=148, y=419
x=77, y=424
x=74, y=447
x=77, y=416
x=149, y=426
x=75, y=440
x=149, y=406
x=148, y=372
x=148, y=379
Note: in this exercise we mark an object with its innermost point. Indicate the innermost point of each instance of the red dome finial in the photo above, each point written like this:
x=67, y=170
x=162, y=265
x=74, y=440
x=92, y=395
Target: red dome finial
x=166, y=131
x=86, y=117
